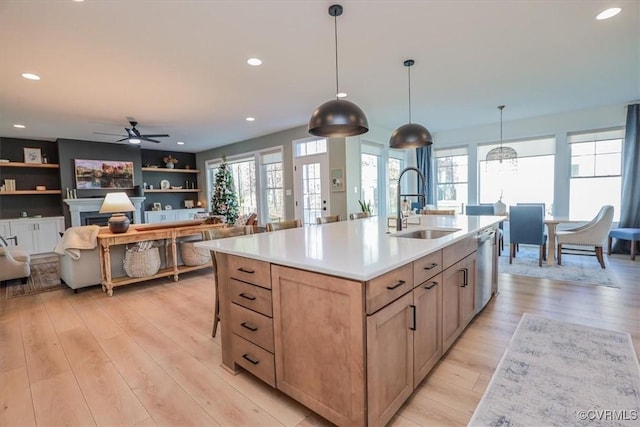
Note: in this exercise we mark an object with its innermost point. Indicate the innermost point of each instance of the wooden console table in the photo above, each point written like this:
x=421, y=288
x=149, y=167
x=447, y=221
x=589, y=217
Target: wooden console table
x=143, y=232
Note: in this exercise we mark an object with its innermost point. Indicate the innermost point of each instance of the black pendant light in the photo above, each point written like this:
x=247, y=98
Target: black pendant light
x=337, y=118
x=411, y=135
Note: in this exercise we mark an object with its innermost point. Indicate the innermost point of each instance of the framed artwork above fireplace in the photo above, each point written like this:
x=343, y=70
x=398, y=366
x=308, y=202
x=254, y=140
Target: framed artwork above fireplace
x=103, y=174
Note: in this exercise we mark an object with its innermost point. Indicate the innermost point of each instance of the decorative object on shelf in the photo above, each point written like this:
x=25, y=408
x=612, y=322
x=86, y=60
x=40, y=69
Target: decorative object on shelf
x=224, y=201
x=32, y=155
x=199, y=204
x=4, y=160
x=188, y=204
x=499, y=208
x=168, y=207
x=165, y=184
x=157, y=206
x=41, y=188
x=170, y=162
x=116, y=204
x=176, y=187
x=23, y=214
x=338, y=118
x=411, y=135
x=187, y=166
x=337, y=180
x=45, y=159
x=502, y=154
x=97, y=174
x=9, y=185
x=72, y=193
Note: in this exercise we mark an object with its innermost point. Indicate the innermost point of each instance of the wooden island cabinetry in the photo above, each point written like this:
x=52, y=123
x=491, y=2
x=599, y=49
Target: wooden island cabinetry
x=349, y=343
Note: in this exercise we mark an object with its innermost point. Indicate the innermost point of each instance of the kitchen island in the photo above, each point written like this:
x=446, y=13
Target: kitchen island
x=348, y=317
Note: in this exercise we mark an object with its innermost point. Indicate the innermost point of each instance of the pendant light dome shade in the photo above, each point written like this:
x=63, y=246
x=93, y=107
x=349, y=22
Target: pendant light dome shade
x=339, y=117
x=411, y=135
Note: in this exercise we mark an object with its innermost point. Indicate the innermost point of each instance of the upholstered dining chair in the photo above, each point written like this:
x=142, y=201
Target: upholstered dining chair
x=486, y=210
x=594, y=233
x=358, y=215
x=327, y=219
x=526, y=226
x=283, y=225
x=222, y=233
x=14, y=261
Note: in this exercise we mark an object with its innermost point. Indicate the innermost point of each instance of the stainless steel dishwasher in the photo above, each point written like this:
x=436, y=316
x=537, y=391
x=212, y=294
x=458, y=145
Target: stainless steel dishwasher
x=484, y=266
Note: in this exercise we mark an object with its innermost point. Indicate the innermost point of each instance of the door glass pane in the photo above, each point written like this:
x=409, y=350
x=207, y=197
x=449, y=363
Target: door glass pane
x=369, y=172
x=312, y=196
x=395, y=166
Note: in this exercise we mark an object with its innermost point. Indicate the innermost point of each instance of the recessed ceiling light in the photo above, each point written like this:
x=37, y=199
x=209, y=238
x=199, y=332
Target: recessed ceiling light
x=78, y=1
x=134, y=141
x=341, y=95
x=180, y=143
x=19, y=126
x=608, y=13
x=31, y=76
x=250, y=119
x=254, y=61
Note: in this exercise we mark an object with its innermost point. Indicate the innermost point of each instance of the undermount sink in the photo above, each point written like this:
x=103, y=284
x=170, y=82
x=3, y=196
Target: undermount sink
x=426, y=234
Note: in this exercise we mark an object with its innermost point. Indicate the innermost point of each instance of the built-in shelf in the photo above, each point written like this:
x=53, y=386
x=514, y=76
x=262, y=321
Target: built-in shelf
x=23, y=192
x=181, y=190
x=29, y=165
x=170, y=170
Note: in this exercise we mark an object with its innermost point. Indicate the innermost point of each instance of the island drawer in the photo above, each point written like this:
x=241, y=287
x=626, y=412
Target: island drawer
x=426, y=267
x=252, y=326
x=254, y=359
x=458, y=250
x=386, y=288
x=250, y=271
x=253, y=297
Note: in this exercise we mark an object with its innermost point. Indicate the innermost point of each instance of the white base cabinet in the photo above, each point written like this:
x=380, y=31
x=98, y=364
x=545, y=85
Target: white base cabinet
x=151, y=217
x=35, y=235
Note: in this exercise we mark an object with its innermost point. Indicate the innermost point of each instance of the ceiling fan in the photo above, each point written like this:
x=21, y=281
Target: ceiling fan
x=134, y=136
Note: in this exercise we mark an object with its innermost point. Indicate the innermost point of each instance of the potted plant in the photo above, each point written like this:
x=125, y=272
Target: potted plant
x=365, y=206
x=169, y=161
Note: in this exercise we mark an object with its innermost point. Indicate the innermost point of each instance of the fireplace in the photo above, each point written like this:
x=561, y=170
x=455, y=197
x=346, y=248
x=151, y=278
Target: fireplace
x=91, y=206
x=94, y=218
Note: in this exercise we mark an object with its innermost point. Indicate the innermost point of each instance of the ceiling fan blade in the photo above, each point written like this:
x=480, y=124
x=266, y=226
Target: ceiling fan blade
x=131, y=133
x=151, y=140
x=123, y=139
x=164, y=135
x=112, y=134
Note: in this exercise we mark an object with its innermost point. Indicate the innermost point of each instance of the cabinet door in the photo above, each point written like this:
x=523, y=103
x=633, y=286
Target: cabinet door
x=467, y=291
x=389, y=359
x=451, y=282
x=5, y=231
x=427, y=338
x=47, y=235
x=24, y=230
x=319, y=339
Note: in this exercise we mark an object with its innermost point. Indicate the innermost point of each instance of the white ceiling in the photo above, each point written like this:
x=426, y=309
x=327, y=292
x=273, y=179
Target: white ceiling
x=180, y=66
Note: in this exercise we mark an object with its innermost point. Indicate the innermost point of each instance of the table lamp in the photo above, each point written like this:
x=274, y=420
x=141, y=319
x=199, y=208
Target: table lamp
x=117, y=204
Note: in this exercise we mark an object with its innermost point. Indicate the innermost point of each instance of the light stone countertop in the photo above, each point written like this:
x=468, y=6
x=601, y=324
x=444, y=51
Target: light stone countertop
x=359, y=249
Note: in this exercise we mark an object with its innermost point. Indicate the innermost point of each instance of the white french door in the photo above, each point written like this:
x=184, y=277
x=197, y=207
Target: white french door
x=311, y=187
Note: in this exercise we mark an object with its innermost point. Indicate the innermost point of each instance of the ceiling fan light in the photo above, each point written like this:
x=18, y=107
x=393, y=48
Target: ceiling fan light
x=134, y=141
x=411, y=135
x=338, y=118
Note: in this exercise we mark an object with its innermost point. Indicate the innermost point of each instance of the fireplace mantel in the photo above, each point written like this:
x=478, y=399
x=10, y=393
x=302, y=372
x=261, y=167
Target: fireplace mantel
x=93, y=205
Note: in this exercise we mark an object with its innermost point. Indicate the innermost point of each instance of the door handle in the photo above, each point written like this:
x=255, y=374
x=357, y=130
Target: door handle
x=413, y=317
x=246, y=356
x=397, y=285
x=324, y=209
x=432, y=265
x=465, y=277
x=249, y=326
x=246, y=270
x=431, y=285
x=249, y=297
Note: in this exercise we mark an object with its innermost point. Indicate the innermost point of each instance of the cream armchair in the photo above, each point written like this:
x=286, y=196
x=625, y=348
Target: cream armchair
x=594, y=233
x=14, y=261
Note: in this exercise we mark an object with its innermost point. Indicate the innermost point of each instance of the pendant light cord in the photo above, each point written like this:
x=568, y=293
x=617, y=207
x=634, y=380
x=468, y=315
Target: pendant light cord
x=501, y=107
x=409, y=71
x=335, y=29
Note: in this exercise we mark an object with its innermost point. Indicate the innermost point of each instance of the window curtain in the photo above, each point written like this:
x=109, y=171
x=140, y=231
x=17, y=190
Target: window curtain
x=630, y=200
x=425, y=165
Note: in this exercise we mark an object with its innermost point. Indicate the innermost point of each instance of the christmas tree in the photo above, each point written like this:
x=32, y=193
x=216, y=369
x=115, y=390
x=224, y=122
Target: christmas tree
x=224, y=201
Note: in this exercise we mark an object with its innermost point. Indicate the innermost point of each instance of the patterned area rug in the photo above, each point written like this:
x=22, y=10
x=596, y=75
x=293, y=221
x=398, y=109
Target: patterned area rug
x=575, y=268
x=561, y=374
x=44, y=278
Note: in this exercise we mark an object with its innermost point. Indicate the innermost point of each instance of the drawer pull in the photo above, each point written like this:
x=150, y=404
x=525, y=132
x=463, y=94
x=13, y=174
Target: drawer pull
x=413, y=318
x=245, y=296
x=431, y=285
x=250, y=359
x=431, y=266
x=465, y=277
x=397, y=285
x=249, y=326
x=246, y=270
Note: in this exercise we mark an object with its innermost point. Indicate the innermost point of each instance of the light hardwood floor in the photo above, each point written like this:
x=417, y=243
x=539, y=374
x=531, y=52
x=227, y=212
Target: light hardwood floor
x=146, y=357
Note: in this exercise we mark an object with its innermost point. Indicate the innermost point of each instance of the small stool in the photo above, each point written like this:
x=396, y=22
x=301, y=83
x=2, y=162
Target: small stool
x=632, y=234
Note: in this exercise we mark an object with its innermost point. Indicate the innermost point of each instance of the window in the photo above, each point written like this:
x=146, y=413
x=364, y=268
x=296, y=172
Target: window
x=260, y=193
x=369, y=178
x=394, y=167
x=596, y=165
x=528, y=180
x=452, y=169
x=310, y=147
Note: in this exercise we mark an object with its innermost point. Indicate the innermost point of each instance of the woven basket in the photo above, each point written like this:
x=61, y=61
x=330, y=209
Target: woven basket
x=192, y=256
x=141, y=262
